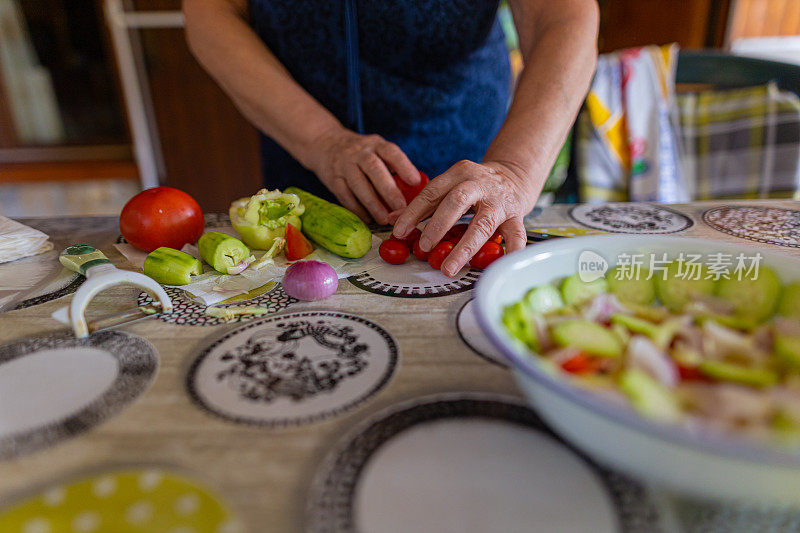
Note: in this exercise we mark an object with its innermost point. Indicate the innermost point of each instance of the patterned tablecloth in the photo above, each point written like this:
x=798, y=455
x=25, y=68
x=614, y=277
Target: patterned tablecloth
x=252, y=413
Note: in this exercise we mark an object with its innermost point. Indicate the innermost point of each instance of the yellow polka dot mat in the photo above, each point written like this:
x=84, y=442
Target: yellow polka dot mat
x=124, y=501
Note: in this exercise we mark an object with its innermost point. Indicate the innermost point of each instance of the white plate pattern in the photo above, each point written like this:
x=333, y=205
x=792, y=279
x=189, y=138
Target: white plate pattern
x=470, y=333
x=770, y=225
x=293, y=368
x=350, y=491
x=106, y=371
x=630, y=218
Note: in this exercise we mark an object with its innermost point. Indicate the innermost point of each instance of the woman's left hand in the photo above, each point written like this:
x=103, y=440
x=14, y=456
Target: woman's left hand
x=500, y=197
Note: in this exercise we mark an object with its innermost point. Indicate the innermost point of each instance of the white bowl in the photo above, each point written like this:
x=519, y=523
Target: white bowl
x=703, y=464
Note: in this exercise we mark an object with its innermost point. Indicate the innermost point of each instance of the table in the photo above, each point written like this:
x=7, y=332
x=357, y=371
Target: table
x=264, y=473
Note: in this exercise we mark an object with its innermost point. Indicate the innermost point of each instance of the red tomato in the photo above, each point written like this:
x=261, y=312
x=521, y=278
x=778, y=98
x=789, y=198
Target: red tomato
x=437, y=255
x=487, y=255
x=393, y=252
x=409, y=239
x=580, y=364
x=297, y=246
x=455, y=233
x=418, y=253
x=411, y=191
x=161, y=216
x=497, y=237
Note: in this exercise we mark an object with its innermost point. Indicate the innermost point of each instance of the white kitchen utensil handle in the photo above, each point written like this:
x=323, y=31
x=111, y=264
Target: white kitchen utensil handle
x=100, y=275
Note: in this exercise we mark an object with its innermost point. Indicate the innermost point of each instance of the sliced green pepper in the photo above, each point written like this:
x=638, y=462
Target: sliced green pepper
x=262, y=218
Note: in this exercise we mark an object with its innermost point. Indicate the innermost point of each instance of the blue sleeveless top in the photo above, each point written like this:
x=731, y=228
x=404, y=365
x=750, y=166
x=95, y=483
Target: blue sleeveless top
x=429, y=75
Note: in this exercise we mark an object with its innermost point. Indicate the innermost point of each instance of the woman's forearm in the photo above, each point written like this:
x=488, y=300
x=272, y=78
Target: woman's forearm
x=259, y=85
x=558, y=43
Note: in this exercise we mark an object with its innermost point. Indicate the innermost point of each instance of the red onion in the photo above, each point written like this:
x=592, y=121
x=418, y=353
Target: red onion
x=310, y=280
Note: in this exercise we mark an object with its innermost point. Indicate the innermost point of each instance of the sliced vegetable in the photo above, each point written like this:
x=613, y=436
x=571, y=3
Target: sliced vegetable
x=790, y=300
x=681, y=283
x=518, y=320
x=576, y=291
x=229, y=313
x=648, y=396
x=754, y=377
x=393, y=252
x=636, y=325
x=787, y=348
x=543, y=299
x=222, y=251
x=172, y=267
x=310, y=280
x=754, y=297
x=333, y=227
x=263, y=217
x=242, y=265
x=586, y=336
x=581, y=364
x=266, y=259
x=297, y=246
x=640, y=290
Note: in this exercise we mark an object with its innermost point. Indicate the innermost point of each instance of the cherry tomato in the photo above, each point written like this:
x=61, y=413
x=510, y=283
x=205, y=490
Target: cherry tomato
x=580, y=364
x=497, y=237
x=409, y=239
x=297, y=246
x=393, y=252
x=411, y=191
x=437, y=255
x=161, y=216
x=455, y=233
x=418, y=253
x=488, y=253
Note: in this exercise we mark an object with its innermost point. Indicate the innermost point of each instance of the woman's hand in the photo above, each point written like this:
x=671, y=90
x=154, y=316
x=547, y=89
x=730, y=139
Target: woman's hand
x=501, y=197
x=357, y=169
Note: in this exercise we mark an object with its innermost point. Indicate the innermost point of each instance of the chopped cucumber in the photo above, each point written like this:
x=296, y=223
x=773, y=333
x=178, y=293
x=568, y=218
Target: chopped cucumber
x=787, y=348
x=588, y=337
x=754, y=377
x=171, y=267
x=518, y=320
x=742, y=323
x=221, y=251
x=543, y=299
x=790, y=300
x=576, y=291
x=681, y=284
x=648, y=396
x=752, y=297
x=640, y=291
x=636, y=325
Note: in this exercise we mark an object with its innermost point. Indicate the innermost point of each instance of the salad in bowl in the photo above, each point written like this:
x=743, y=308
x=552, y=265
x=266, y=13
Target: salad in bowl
x=647, y=355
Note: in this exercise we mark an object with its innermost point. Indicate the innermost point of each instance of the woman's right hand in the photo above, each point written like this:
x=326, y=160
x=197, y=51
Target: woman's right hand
x=357, y=169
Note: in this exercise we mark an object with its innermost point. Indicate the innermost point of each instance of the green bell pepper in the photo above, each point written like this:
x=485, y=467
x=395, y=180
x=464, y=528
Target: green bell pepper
x=262, y=218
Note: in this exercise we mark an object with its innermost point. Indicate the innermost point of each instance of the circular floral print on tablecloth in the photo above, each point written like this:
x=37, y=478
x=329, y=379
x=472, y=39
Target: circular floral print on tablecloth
x=630, y=218
x=56, y=386
x=448, y=462
x=414, y=279
x=189, y=312
x=471, y=334
x=770, y=225
x=293, y=368
x=130, y=500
